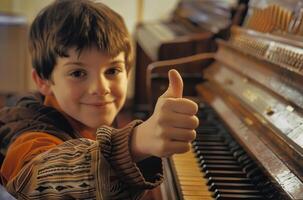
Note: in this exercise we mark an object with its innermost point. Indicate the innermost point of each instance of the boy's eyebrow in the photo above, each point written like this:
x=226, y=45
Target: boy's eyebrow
x=74, y=63
x=82, y=64
x=117, y=61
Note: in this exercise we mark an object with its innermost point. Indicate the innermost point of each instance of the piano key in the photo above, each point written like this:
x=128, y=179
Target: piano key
x=221, y=162
x=213, y=148
x=210, y=152
x=246, y=162
x=207, y=157
x=233, y=146
x=228, y=180
x=233, y=186
x=221, y=167
x=197, y=197
x=192, y=182
x=238, y=197
x=243, y=158
x=215, y=173
x=238, y=153
x=201, y=130
x=196, y=192
x=253, y=172
x=206, y=143
x=249, y=166
x=203, y=138
x=225, y=191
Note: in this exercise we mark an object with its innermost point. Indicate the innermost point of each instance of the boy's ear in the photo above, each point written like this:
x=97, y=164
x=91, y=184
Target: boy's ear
x=42, y=84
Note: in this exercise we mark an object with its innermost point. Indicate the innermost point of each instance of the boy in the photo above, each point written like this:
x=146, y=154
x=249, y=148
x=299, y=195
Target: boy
x=60, y=145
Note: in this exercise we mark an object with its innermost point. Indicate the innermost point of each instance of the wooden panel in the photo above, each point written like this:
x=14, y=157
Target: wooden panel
x=13, y=57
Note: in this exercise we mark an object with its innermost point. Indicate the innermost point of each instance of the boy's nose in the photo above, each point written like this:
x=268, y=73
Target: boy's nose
x=100, y=86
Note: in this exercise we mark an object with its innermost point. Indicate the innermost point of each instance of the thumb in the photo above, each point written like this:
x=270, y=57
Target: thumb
x=175, y=87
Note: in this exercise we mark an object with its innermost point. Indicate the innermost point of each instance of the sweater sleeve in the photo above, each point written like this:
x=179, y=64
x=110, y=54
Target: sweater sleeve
x=116, y=149
x=87, y=169
x=23, y=149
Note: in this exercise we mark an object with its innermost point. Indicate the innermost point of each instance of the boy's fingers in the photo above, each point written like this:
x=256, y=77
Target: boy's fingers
x=184, y=106
x=182, y=135
x=175, y=87
x=183, y=121
x=178, y=147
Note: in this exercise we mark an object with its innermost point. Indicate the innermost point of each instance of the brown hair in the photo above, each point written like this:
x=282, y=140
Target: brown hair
x=76, y=23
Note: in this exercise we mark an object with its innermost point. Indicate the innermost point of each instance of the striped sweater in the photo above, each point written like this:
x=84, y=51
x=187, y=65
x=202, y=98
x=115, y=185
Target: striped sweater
x=77, y=167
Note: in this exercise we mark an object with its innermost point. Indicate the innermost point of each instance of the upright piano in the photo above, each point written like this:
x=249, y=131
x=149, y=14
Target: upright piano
x=249, y=144
x=191, y=29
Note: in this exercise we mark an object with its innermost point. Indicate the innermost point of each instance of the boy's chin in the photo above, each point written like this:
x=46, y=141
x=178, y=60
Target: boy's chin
x=99, y=124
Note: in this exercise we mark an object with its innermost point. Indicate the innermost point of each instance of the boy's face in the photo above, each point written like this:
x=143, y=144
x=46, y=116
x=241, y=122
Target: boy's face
x=90, y=87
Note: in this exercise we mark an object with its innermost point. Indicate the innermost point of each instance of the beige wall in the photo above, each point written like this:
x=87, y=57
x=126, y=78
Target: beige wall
x=6, y=5
x=152, y=9
x=29, y=8
x=158, y=9
x=15, y=65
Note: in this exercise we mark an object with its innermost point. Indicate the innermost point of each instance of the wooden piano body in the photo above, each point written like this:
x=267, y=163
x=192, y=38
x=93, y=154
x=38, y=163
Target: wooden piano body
x=191, y=30
x=249, y=143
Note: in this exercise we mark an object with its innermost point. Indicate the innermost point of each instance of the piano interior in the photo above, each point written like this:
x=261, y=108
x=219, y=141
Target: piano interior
x=249, y=143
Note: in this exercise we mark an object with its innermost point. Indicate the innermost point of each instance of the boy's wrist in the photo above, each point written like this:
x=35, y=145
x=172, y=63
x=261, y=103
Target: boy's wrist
x=137, y=147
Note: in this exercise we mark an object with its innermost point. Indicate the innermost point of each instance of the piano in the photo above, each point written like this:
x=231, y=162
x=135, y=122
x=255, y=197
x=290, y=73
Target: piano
x=191, y=29
x=249, y=144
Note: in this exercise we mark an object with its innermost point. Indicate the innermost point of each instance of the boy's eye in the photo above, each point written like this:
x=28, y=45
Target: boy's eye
x=113, y=71
x=78, y=74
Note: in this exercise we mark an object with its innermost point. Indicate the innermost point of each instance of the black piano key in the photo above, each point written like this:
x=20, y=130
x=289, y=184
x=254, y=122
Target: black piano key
x=238, y=153
x=216, y=173
x=206, y=143
x=232, y=186
x=219, y=162
x=246, y=162
x=243, y=158
x=207, y=157
x=227, y=180
x=232, y=143
x=253, y=172
x=201, y=130
x=259, y=179
x=209, y=148
x=220, y=167
x=213, y=153
x=203, y=138
x=238, y=197
x=250, y=166
x=235, y=148
x=236, y=191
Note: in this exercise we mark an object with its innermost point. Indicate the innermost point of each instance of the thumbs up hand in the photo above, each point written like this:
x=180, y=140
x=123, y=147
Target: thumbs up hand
x=170, y=129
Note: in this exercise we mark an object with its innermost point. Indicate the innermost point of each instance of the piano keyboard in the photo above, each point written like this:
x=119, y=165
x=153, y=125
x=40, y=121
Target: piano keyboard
x=218, y=168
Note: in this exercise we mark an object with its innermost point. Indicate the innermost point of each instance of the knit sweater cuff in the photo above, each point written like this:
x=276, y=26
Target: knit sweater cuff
x=115, y=146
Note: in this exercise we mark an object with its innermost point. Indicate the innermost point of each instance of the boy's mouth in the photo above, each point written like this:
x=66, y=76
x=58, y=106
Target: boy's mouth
x=99, y=104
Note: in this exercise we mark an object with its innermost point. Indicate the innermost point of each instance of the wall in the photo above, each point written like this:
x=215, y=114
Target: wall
x=6, y=5
x=158, y=9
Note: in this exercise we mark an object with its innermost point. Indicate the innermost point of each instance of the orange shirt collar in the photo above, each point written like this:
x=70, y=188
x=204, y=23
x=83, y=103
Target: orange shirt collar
x=84, y=131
